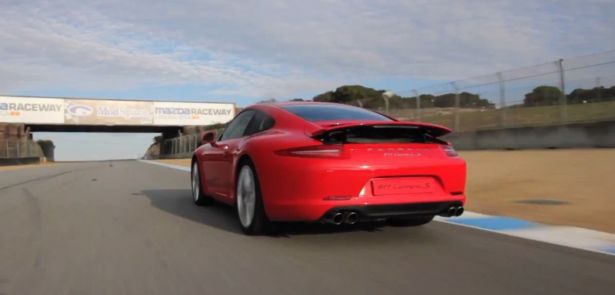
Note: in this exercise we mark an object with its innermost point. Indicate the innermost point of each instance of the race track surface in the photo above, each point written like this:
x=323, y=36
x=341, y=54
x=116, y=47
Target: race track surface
x=128, y=227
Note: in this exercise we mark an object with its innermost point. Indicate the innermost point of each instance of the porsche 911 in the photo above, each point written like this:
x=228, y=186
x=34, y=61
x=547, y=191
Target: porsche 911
x=330, y=163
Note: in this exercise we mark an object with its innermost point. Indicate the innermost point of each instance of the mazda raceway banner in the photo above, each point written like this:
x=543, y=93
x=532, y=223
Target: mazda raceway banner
x=34, y=110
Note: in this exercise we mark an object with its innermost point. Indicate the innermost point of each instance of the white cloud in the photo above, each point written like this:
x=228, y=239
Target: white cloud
x=262, y=49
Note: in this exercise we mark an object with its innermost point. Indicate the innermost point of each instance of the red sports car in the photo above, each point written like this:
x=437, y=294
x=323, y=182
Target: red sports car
x=328, y=162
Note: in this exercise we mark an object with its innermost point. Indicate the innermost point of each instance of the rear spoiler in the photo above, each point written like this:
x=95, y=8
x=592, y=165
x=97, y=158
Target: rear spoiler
x=433, y=130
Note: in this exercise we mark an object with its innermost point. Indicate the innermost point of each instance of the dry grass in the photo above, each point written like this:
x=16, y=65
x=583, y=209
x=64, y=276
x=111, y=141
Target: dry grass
x=498, y=180
x=581, y=178
x=475, y=119
x=178, y=162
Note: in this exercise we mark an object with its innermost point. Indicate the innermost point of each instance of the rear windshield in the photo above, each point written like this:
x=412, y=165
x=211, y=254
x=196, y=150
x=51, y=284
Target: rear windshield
x=379, y=134
x=315, y=113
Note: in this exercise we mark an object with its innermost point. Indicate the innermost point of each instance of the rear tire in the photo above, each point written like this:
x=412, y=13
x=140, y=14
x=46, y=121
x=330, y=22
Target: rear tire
x=250, y=207
x=410, y=221
x=199, y=198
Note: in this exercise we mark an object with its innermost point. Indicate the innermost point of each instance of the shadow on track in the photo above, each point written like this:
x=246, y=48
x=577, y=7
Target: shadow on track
x=179, y=202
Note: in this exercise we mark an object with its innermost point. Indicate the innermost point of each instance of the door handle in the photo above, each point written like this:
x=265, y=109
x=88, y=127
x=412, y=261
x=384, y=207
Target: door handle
x=226, y=148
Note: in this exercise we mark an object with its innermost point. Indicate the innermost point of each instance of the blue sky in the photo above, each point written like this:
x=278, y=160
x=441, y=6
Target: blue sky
x=245, y=51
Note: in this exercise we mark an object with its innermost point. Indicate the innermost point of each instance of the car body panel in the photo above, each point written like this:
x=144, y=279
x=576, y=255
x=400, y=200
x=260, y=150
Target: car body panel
x=306, y=188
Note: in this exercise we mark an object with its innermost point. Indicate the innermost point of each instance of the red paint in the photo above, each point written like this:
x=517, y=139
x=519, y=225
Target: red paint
x=301, y=178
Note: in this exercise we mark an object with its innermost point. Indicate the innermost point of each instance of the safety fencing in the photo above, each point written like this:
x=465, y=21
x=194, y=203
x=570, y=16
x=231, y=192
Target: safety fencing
x=179, y=147
x=20, y=148
x=575, y=90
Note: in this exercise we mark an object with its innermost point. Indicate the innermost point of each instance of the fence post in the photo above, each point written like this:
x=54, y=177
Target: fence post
x=563, y=100
x=386, y=95
x=418, y=104
x=502, y=99
x=457, y=104
x=598, y=84
x=18, y=149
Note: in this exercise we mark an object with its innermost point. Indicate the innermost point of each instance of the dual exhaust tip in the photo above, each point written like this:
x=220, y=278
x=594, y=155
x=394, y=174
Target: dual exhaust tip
x=454, y=211
x=348, y=217
x=352, y=217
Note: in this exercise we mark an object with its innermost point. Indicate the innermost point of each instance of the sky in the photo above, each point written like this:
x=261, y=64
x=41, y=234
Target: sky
x=246, y=51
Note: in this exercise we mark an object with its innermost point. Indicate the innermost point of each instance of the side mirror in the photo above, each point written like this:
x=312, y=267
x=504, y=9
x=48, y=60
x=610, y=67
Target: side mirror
x=208, y=137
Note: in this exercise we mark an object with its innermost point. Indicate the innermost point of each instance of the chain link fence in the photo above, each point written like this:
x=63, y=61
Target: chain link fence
x=575, y=90
x=179, y=147
x=184, y=145
x=19, y=148
x=565, y=91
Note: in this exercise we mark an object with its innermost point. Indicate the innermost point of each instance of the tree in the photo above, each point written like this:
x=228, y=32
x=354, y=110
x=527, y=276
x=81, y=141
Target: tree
x=356, y=95
x=542, y=96
x=596, y=94
x=325, y=97
x=270, y=100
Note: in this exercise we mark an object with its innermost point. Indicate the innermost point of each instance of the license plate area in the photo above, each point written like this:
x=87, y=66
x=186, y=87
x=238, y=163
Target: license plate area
x=405, y=186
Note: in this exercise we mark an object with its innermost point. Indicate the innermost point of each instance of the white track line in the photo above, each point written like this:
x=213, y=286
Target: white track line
x=177, y=167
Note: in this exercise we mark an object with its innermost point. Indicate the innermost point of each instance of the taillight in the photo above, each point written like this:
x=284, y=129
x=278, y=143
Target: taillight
x=449, y=151
x=317, y=151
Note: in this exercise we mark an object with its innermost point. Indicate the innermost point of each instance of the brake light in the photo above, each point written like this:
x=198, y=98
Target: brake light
x=449, y=151
x=318, y=151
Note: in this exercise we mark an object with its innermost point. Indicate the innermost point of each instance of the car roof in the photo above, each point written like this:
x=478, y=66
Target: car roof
x=278, y=107
x=281, y=105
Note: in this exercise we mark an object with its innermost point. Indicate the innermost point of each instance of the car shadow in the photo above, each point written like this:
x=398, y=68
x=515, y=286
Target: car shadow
x=179, y=202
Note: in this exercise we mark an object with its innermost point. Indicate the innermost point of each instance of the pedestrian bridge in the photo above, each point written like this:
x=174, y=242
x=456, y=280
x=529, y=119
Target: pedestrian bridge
x=98, y=115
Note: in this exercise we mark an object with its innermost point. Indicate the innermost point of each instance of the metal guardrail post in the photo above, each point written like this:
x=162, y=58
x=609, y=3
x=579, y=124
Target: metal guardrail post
x=457, y=105
x=502, y=85
x=598, y=84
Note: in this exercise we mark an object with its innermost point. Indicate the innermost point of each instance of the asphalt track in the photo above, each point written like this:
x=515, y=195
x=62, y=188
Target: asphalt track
x=128, y=227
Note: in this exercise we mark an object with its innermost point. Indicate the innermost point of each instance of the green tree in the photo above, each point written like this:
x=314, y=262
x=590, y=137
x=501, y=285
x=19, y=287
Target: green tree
x=356, y=95
x=542, y=96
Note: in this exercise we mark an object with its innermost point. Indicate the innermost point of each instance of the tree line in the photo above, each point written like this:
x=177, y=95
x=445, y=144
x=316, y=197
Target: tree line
x=549, y=95
x=539, y=96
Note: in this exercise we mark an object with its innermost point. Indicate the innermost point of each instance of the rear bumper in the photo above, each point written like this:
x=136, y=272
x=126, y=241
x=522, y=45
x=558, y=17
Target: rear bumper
x=313, y=210
x=298, y=189
x=375, y=212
